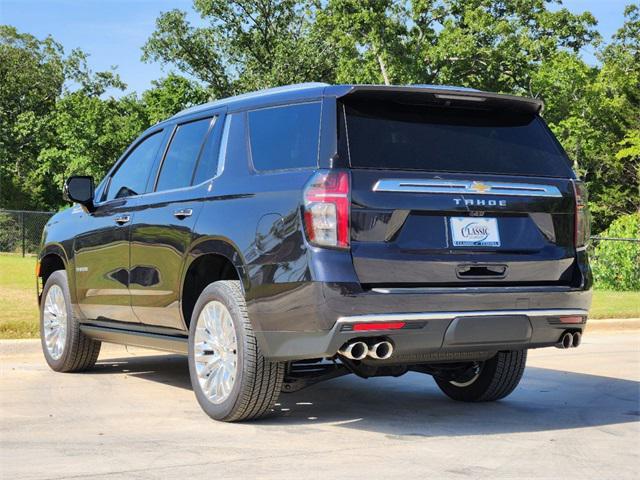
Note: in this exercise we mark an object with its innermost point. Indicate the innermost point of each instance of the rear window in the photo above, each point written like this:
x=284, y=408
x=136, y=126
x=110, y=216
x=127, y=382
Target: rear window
x=285, y=137
x=403, y=137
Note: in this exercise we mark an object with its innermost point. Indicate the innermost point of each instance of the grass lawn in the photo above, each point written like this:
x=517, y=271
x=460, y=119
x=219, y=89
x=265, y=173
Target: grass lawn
x=19, y=309
x=607, y=304
x=18, y=304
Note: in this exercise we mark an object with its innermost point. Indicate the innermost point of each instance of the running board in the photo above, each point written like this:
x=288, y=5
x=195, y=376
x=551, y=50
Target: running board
x=137, y=339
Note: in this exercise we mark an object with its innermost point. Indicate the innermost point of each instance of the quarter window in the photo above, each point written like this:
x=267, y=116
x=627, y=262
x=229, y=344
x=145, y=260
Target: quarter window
x=285, y=137
x=208, y=163
x=180, y=161
x=131, y=176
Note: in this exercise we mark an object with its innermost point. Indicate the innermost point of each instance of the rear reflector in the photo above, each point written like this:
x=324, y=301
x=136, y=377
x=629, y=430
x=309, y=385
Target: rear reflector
x=572, y=319
x=368, y=327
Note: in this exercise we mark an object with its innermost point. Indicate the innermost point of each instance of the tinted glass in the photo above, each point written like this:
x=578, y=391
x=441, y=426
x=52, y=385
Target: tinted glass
x=131, y=177
x=285, y=137
x=208, y=162
x=390, y=136
x=178, y=165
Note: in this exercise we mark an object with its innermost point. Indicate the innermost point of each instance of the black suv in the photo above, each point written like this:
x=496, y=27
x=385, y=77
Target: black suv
x=296, y=234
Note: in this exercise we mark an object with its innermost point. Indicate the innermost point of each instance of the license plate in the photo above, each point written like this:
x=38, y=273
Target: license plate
x=474, y=232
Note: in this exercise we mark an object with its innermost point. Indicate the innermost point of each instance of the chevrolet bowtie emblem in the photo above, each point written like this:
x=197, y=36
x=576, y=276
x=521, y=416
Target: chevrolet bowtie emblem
x=479, y=187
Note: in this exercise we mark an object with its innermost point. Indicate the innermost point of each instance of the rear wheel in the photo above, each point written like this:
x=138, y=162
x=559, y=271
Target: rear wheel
x=490, y=380
x=231, y=379
x=65, y=347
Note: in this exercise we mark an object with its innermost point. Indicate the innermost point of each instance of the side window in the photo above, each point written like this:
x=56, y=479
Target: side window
x=208, y=163
x=177, y=167
x=285, y=137
x=131, y=176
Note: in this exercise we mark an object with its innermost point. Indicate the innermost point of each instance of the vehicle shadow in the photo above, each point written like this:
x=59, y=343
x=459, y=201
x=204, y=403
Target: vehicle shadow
x=413, y=405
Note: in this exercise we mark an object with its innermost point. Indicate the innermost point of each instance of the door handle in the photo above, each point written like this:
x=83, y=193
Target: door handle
x=121, y=220
x=184, y=213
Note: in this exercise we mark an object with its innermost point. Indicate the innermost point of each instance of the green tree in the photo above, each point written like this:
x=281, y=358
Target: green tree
x=595, y=113
x=489, y=44
x=88, y=134
x=33, y=79
x=171, y=94
x=616, y=265
x=32, y=74
x=246, y=44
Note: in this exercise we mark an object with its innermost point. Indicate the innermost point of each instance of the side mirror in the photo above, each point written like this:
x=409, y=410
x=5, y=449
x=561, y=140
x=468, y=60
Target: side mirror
x=79, y=189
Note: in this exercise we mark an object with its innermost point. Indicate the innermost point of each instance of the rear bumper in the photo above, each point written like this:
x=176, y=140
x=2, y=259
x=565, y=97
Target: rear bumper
x=440, y=323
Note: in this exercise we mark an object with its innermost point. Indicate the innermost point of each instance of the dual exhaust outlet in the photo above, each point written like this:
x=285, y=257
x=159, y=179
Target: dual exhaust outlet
x=569, y=340
x=359, y=350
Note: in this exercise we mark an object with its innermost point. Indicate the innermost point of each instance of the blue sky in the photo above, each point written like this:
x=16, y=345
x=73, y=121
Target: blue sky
x=113, y=31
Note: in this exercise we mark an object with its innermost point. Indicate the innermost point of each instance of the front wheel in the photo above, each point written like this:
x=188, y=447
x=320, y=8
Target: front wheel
x=230, y=377
x=65, y=347
x=491, y=380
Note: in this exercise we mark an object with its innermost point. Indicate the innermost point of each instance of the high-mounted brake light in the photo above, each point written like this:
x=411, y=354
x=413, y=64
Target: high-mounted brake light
x=582, y=216
x=326, y=209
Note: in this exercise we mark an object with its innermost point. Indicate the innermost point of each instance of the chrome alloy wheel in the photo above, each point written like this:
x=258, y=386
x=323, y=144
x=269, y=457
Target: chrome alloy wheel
x=55, y=322
x=215, y=352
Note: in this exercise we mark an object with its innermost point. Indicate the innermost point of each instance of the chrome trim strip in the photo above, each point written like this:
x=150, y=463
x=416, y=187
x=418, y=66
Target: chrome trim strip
x=411, y=317
x=462, y=187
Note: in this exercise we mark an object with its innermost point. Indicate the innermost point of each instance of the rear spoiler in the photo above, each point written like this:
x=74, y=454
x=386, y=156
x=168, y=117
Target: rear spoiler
x=444, y=96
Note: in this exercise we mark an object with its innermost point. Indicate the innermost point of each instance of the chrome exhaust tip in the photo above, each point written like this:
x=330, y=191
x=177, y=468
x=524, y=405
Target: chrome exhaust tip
x=577, y=339
x=566, y=340
x=354, y=350
x=381, y=350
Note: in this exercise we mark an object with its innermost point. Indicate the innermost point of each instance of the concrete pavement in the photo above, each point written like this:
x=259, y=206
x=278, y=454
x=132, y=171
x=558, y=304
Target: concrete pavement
x=575, y=415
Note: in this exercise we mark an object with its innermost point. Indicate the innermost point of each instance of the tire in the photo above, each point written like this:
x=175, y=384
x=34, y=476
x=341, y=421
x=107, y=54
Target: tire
x=255, y=382
x=75, y=352
x=498, y=377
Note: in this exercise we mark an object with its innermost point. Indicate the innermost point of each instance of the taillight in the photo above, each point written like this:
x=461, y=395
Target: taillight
x=326, y=209
x=583, y=218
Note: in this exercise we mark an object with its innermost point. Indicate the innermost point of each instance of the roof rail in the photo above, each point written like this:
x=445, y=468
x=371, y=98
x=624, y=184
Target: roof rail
x=257, y=93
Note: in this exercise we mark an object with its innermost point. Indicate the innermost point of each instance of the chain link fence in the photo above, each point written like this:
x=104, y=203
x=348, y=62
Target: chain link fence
x=21, y=230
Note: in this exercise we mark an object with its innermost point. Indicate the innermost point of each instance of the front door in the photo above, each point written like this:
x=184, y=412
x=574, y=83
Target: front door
x=102, y=263
x=102, y=251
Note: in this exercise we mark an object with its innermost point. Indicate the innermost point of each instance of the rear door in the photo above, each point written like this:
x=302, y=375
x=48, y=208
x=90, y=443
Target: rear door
x=456, y=195
x=163, y=227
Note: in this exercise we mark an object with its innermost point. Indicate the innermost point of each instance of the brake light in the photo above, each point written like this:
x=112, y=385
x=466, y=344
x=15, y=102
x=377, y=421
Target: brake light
x=582, y=217
x=326, y=209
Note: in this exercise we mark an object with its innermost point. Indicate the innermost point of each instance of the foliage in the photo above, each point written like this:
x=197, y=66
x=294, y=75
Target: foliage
x=488, y=44
x=595, y=112
x=171, y=94
x=8, y=236
x=56, y=121
x=32, y=93
x=616, y=265
x=245, y=45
